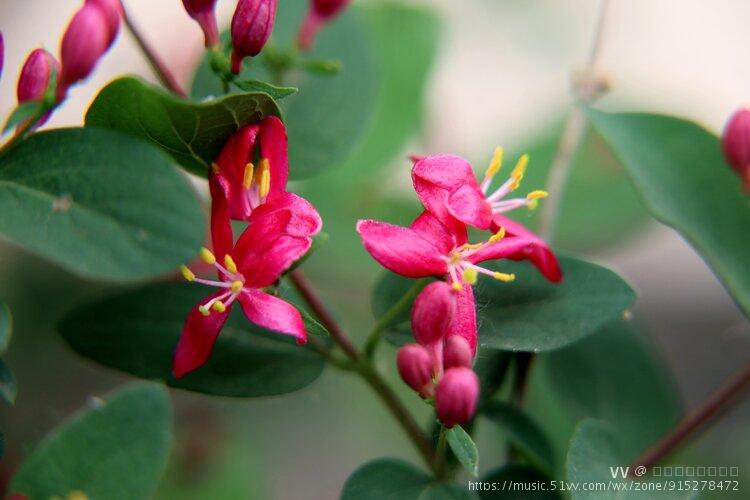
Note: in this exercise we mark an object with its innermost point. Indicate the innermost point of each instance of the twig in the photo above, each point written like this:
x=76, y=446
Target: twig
x=717, y=403
x=364, y=368
x=157, y=64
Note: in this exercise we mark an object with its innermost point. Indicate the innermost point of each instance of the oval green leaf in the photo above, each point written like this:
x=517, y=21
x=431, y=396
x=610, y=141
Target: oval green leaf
x=99, y=203
x=463, y=448
x=137, y=332
x=193, y=133
x=117, y=448
x=678, y=169
x=530, y=314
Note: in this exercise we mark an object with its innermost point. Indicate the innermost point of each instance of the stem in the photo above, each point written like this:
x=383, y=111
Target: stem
x=573, y=133
x=717, y=403
x=440, y=451
x=157, y=64
x=18, y=136
x=373, y=339
x=364, y=368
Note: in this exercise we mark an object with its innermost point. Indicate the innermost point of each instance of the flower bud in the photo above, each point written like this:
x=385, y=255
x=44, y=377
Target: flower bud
x=456, y=396
x=415, y=367
x=320, y=13
x=252, y=25
x=203, y=12
x=736, y=145
x=433, y=312
x=457, y=352
x=84, y=42
x=35, y=76
x=112, y=10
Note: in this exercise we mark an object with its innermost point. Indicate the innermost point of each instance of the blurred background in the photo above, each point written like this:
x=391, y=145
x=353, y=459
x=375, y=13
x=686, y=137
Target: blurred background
x=497, y=72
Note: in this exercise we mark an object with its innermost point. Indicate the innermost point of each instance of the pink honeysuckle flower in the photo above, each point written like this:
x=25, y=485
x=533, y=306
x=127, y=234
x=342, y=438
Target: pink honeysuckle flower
x=456, y=396
x=447, y=187
x=319, y=13
x=415, y=365
x=252, y=25
x=112, y=10
x=264, y=251
x=429, y=248
x=34, y=81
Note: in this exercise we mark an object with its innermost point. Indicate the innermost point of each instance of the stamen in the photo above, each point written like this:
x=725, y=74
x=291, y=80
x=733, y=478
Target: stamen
x=187, y=273
x=457, y=287
x=204, y=310
x=518, y=171
x=499, y=235
x=207, y=256
x=236, y=286
x=537, y=195
x=496, y=163
x=247, y=179
x=504, y=277
x=265, y=178
x=219, y=306
x=470, y=276
x=229, y=264
x=215, y=167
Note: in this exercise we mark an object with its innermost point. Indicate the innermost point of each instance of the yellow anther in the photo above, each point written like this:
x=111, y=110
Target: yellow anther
x=473, y=246
x=518, y=171
x=537, y=195
x=229, y=264
x=207, y=256
x=457, y=286
x=247, y=179
x=470, y=276
x=236, y=286
x=204, y=310
x=504, y=277
x=187, y=273
x=265, y=178
x=495, y=164
x=215, y=167
x=219, y=306
x=499, y=235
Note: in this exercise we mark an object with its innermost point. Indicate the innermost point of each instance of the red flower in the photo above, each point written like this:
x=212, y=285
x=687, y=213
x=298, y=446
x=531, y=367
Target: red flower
x=320, y=13
x=265, y=250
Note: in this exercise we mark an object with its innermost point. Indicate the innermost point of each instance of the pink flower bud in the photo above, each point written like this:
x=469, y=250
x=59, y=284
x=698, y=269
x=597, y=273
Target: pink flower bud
x=320, y=13
x=85, y=41
x=457, y=352
x=415, y=367
x=433, y=312
x=736, y=145
x=35, y=76
x=456, y=396
x=112, y=10
x=252, y=25
x=203, y=12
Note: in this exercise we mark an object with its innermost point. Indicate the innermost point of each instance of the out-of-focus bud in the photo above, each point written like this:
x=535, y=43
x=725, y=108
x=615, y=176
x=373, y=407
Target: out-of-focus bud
x=320, y=13
x=456, y=396
x=415, y=367
x=432, y=313
x=84, y=42
x=203, y=13
x=112, y=10
x=457, y=352
x=736, y=145
x=2, y=52
x=35, y=76
x=252, y=25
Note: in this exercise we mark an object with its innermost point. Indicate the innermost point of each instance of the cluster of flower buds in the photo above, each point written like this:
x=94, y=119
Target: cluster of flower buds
x=320, y=13
x=439, y=364
x=203, y=11
x=736, y=145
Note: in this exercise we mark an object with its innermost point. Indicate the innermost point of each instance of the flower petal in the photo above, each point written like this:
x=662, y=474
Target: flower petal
x=435, y=178
x=401, y=250
x=273, y=313
x=510, y=247
x=432, y=312
x=538, y=252
x=468, y=205
x=237, y=153
x=273, y=146
x=305, y=220
x=465, y=318
x=198, y=338
x=264, y=268
x=222, y=238
x=260, y=236
x=444, y=238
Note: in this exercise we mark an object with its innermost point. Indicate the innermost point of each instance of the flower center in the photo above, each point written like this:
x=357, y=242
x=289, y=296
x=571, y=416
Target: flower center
x=462, y=270
x=256, y=182
x=231, y=280
x=496, y=201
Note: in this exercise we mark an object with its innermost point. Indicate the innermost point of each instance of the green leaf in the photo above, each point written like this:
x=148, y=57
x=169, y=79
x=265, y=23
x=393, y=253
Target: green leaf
x=520, y=476
x=137, y=332
x=28, y=110
x=116, y=448
x=523, y=432
x=255, y=85
x=192, y=133
x=99, y=203
x=396, y=480
x=8, y=388
x=6, y=327
x=463, y=448
x=531, y=314
x=606, y=377
x=326, y=119
x=678, y=169
x=593, y=457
